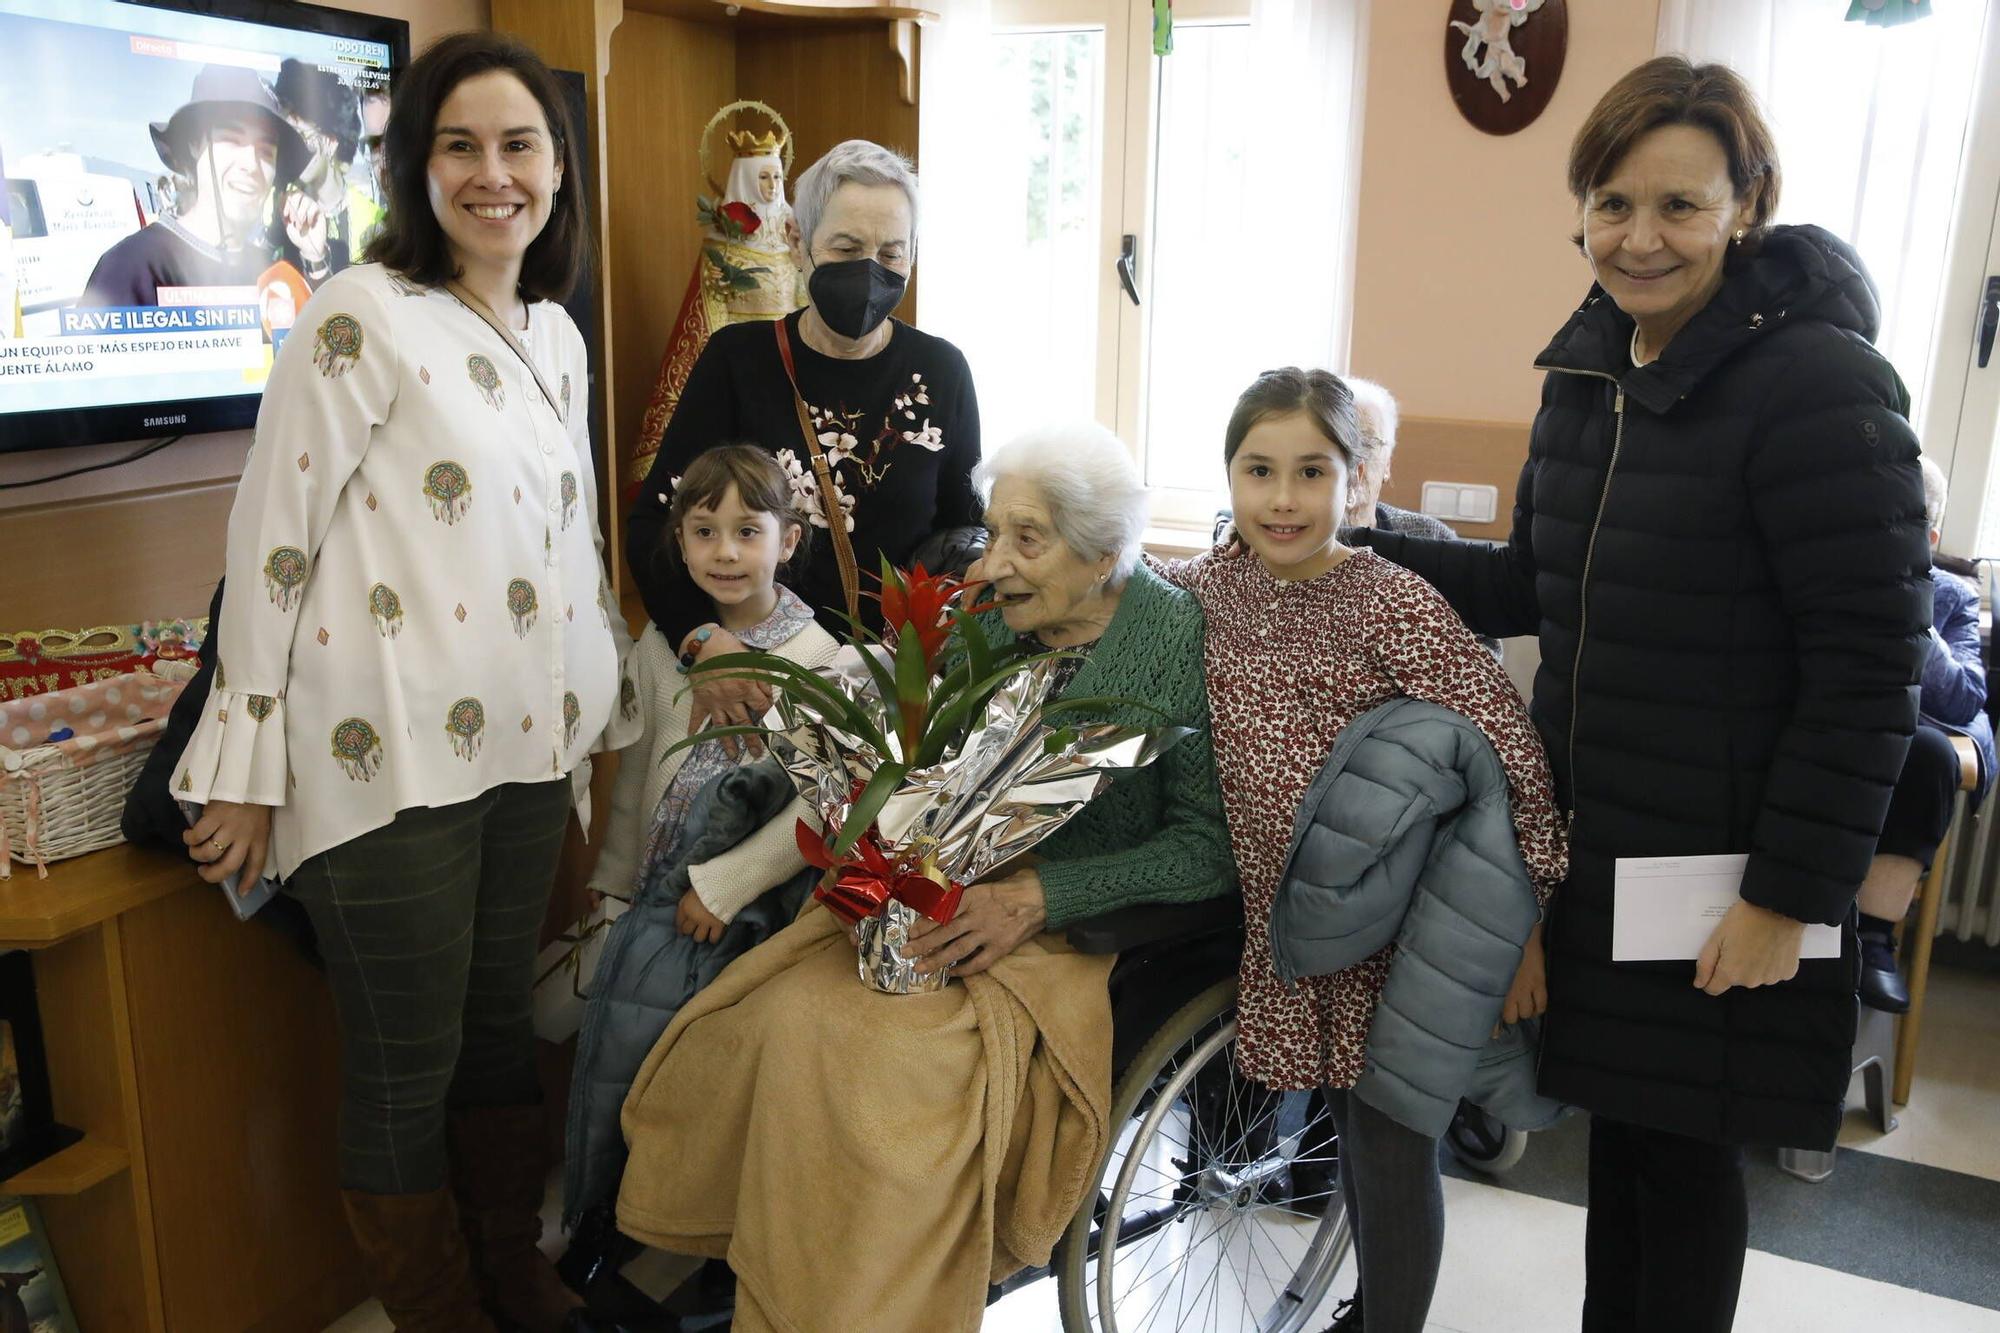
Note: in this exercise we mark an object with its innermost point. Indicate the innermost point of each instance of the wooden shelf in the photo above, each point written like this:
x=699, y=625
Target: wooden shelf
x=776, y=14
x=71, y=1171
x=83, y=892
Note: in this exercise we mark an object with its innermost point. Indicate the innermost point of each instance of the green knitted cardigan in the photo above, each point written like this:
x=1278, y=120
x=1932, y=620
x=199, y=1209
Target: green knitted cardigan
x=1157, y=834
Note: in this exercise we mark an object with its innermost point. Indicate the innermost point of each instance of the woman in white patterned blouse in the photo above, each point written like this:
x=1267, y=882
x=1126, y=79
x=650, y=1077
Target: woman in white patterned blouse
x=417, y=653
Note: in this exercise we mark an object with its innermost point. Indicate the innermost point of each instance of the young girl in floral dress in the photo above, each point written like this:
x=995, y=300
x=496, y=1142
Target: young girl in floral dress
x=1304, y=636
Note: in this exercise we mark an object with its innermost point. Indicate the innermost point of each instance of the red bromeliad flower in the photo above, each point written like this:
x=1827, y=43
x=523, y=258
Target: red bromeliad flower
x=923, y=601
x=919, y=605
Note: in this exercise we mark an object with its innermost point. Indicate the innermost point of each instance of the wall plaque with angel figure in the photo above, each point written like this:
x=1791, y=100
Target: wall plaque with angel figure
x=1502, y=59
x=744, y=270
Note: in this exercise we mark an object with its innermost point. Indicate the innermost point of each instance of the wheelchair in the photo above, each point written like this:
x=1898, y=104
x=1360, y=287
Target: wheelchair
x=1217, y=1206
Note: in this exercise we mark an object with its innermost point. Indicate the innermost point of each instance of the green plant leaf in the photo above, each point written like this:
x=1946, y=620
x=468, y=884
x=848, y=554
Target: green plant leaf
x=867, y=806
x=950, y=717
x=913, y=689
x=878, y=669
x=978, y=648
x=779, y=673
x=1102, y=704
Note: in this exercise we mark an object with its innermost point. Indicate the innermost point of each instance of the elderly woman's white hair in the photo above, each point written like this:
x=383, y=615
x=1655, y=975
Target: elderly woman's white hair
x=1375, y=412
x=1936, y=491
x=856, y=161
x=1086, y=477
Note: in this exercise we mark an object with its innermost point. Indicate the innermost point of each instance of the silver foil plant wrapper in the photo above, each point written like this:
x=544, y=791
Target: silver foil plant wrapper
x=1014, y=780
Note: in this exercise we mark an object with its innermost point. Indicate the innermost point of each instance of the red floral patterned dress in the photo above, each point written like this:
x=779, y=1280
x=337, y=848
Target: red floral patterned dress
x=1289, y=665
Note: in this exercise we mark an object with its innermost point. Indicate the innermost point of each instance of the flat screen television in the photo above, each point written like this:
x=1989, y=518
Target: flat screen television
x=179, y=176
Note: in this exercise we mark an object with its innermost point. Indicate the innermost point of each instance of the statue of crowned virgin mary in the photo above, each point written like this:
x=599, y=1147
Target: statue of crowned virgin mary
x=744, y=270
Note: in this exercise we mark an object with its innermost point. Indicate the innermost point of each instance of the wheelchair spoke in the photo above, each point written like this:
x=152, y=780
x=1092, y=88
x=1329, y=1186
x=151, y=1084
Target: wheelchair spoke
x=1154, y=1310
x=1198, y=1180
x=1262, y=1229
x=1173, y=1256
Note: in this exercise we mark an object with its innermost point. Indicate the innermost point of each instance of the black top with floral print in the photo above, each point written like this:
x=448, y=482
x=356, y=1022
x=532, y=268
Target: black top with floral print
x=900, y=431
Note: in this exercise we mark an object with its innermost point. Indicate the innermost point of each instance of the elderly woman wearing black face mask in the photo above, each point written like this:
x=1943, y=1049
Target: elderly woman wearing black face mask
x=874, y=421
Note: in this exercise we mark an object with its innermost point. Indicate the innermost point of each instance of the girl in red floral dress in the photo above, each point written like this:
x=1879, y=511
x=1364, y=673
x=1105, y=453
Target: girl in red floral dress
x=1304, y=636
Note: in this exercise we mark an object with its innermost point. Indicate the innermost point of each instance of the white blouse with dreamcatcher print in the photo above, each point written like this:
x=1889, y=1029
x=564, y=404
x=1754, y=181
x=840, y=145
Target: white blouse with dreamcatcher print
x=416, y=608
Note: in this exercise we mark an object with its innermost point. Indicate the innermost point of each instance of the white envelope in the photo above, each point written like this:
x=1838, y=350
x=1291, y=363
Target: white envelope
x=1664, y=908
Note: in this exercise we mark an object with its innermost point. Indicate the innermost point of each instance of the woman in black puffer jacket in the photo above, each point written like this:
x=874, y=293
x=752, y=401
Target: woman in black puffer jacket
x=1720, y=538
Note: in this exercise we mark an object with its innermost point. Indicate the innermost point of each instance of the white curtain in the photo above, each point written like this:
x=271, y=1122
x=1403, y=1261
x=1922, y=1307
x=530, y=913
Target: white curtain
x=955, y=251
x=1870, y=124
x=1304, y=137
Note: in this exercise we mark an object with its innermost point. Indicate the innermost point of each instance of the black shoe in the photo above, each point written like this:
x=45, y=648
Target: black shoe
x=1881, y=984
x=1347, y=1315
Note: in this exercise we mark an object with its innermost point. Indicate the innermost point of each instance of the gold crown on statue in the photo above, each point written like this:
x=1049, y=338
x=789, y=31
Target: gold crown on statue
x=745, y=144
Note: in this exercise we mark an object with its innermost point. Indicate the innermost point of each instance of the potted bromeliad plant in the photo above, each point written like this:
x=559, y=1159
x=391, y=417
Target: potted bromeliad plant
x=932, y=755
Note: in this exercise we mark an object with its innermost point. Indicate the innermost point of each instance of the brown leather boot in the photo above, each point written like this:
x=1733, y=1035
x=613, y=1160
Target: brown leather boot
x=414, y=1256
x=499, y=1169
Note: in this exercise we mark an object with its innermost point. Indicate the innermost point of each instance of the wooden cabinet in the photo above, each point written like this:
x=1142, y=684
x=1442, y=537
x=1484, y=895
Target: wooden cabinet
x=198, y=1055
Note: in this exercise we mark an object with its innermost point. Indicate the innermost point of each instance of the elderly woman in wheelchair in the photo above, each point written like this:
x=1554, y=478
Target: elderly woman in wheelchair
x=869, y=1161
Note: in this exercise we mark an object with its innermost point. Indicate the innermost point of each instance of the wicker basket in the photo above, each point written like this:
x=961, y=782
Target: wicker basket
x=63, y=797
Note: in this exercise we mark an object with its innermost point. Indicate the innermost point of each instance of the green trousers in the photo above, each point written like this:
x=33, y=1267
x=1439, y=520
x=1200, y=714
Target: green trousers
x=430, y=926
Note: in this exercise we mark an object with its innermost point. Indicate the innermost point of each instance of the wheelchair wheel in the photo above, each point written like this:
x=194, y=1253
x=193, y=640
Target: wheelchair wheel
x=1483, y=1143
x=1193, y=1224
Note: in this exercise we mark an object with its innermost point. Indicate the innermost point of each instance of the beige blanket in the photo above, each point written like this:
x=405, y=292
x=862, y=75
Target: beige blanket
x=870, y=1162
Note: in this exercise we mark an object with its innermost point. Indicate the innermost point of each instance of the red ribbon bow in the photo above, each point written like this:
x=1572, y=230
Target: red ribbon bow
x=862, y=883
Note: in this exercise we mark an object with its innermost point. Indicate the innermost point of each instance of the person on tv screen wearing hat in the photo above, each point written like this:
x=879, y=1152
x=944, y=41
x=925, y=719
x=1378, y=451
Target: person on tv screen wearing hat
x=228, y=147
x=324, y=216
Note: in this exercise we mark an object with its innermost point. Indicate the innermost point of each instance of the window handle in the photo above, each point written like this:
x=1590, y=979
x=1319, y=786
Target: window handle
x=1989, y=319
x=1128, y=270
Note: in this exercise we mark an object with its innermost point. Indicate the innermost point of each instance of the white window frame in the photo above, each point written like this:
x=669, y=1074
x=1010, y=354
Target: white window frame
x=1961, y=413
x=1181, y=518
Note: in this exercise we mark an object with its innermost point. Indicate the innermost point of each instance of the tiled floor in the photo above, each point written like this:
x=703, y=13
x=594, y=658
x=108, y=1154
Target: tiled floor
x=1513, y=1261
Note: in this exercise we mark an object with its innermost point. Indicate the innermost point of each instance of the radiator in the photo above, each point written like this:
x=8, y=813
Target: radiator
x=1971, y=907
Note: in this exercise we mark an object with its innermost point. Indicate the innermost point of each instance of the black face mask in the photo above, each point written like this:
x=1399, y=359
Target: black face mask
x=856, y=295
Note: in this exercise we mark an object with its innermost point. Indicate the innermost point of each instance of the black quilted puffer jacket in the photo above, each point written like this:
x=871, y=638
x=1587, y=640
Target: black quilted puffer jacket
x=1724, y=555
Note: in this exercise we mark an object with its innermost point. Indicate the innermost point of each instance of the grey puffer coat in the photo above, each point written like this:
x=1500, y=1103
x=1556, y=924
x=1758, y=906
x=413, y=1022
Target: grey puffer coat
x=1407, y=835
x=649, y=970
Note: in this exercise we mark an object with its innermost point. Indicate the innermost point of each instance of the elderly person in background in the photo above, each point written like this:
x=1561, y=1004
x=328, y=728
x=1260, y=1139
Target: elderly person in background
x=1719, y=536
x=1375, y=411
x=1952, y=703
x=870, y=1161
x=891, y=409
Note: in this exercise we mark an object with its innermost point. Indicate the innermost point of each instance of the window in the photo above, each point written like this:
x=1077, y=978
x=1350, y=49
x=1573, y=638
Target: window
x=1890, y=138
x=1124, y=255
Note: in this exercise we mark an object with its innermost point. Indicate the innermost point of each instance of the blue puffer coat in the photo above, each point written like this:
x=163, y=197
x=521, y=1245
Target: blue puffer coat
x=1407, y=835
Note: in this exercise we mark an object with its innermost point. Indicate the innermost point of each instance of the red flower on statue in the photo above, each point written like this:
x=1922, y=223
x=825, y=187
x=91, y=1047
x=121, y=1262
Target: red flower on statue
x=743, y=216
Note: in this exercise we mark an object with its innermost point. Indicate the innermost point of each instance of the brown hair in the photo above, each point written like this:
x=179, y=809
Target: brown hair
x=760, y=484
x=1320, y=394
x=411, y=241
x=1672, y=90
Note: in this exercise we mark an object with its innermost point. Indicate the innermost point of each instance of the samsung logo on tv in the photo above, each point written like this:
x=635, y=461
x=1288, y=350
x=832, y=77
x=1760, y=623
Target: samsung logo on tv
x=180, y=420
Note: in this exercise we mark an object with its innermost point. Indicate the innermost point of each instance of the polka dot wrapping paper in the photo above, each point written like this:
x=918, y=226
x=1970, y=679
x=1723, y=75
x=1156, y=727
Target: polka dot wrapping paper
x=66, y=761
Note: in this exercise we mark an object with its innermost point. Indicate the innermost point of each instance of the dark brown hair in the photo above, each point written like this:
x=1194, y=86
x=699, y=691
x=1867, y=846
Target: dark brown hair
x=1320, y=394
x=1671, y=90
x=760, y=484
x=411, y=241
